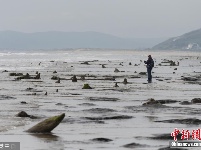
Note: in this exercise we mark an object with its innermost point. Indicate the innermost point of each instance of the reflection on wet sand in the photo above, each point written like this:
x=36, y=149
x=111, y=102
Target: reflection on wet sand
x=104, y=112
x=46, y=137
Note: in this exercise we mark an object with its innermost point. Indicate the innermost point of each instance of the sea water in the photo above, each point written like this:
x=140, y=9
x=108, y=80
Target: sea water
x=76, y=132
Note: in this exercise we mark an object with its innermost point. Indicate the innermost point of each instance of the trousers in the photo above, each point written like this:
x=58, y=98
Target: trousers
x=149, y=74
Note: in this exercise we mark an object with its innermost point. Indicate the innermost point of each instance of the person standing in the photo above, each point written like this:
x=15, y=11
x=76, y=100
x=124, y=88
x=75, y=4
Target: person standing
x=150, y=65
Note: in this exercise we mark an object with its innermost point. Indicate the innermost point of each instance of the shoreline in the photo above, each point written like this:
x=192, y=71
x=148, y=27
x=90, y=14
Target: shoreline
x=105, y=111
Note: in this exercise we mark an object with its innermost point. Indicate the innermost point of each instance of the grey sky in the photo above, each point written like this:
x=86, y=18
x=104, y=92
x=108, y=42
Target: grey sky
x=124, y=18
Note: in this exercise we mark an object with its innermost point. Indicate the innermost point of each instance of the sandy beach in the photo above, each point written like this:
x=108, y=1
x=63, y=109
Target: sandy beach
x=104, y=117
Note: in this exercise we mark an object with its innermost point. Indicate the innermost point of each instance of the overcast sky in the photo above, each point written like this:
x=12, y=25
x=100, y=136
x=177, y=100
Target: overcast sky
x=123, y=18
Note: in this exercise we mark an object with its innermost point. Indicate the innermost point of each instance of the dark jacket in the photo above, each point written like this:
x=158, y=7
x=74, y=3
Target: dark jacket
x=150, y=63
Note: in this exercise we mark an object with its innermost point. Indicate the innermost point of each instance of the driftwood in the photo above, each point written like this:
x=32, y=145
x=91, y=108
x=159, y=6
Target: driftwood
x=47, y=125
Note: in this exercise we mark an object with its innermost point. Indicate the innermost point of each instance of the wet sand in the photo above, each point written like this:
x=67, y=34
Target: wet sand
x=104, y=117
